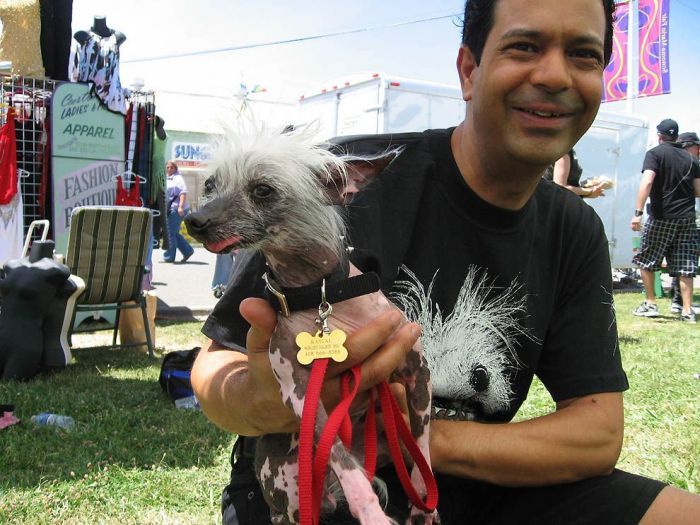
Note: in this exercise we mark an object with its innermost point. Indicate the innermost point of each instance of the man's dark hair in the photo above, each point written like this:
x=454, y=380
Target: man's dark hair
x=478, y=21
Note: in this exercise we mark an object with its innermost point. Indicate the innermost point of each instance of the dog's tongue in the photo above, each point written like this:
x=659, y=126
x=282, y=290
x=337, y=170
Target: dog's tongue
x=216, y=247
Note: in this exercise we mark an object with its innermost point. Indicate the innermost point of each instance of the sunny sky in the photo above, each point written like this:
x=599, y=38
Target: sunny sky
x=409, y=38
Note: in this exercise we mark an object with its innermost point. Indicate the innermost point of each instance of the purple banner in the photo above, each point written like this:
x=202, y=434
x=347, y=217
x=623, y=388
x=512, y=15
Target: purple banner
x=654, y=68
x=615, y=75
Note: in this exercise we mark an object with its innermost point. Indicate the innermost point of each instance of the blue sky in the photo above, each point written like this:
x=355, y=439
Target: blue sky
x=391, y=44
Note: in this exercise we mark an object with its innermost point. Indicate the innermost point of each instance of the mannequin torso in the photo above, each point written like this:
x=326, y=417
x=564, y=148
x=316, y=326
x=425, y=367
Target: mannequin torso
x=101, y=29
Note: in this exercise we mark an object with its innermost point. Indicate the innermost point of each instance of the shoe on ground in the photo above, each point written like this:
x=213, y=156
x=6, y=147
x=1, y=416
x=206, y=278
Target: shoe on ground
x=187, y=257
x=688, y=318
x=677, y=308
x=166, y=260
x=646, y=310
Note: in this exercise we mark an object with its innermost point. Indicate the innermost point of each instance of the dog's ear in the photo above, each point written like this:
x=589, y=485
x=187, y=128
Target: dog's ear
x=359, y=173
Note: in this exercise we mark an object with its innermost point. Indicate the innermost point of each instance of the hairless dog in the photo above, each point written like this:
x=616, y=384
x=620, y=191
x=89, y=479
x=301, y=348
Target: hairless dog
x=275, y=193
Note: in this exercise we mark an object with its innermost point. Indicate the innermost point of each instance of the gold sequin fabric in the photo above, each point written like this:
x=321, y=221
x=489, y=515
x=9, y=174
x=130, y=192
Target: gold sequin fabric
x=19, y=42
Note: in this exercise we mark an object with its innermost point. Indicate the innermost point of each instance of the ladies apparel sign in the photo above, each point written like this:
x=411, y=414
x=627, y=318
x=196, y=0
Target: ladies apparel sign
x=87, y=152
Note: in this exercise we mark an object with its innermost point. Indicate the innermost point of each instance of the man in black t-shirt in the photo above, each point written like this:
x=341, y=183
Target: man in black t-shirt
x=466, y=216
x=691, y=143
x=671, y=180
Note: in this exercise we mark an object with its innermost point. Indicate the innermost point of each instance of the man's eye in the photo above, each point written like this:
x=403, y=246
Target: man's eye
x=525, y=47
x=262, y=191
x=587, y=54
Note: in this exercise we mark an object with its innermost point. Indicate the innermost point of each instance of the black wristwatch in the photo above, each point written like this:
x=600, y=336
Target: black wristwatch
x=638, y=213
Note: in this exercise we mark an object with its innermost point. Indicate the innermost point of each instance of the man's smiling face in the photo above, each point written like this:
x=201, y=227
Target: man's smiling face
x=538, y=85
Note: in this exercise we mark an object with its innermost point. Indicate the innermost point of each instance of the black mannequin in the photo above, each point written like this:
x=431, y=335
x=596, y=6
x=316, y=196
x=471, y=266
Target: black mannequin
x=100, y=28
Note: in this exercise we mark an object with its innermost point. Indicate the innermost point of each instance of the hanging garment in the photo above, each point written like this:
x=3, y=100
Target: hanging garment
x=19, y=42
x=130, y=196
x=8, y=159
x=131, y=123
x=96, y=60
x=44, y=184
x=11, y=229
x=56, y=18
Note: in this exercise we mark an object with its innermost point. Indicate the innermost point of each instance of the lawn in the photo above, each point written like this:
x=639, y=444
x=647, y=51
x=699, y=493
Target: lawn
x=134, y=458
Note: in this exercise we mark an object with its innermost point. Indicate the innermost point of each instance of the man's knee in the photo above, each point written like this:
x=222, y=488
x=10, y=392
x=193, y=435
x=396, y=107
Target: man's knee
x=673, y=506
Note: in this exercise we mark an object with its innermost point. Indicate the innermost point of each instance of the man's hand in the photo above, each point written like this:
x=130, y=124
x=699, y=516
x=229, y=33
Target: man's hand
x=636, y=223
x=596, y=191
x=240, y=393
x=270, y=415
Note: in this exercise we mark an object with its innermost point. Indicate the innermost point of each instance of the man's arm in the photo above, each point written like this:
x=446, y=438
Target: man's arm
x=696, y=185
x=642, y=196
x=561, y=177
x=239, y=392
x=583, y=438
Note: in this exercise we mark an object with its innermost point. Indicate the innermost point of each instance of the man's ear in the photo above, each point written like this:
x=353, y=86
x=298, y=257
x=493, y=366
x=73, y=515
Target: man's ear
x=467, y=67
x=360, y=172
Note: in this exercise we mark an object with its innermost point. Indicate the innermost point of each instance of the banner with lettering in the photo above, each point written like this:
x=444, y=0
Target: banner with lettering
x=615, y=75
x=87, y=151
x=654, y=67
x=191, y=155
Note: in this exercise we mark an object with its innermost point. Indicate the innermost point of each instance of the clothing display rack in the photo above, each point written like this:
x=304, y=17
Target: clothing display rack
x=30, y=98
x=140, y=125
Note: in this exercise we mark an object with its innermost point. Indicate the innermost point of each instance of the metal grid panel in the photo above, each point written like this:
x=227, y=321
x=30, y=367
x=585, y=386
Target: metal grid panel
x=30, y=98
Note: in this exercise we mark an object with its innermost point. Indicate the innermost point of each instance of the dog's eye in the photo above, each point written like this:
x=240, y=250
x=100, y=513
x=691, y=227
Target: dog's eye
x=209, y=185
x=262, y=191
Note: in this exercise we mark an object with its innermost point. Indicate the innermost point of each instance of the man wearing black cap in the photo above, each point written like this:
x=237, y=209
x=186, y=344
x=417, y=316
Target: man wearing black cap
x=671, y=180
x=691, y=144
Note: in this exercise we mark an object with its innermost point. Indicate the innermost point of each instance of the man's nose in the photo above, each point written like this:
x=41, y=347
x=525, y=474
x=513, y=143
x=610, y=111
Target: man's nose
x=552, y=72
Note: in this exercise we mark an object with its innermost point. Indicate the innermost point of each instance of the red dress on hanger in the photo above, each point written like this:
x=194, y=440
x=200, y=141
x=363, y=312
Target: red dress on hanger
x=8, y=159
x=130, y=197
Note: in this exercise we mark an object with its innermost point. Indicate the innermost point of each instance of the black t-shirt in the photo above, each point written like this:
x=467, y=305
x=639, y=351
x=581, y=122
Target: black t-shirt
x=672, y=192
x=551, y=257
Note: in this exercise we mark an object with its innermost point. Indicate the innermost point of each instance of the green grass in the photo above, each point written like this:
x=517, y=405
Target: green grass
x=662, y=405
x=134, y=458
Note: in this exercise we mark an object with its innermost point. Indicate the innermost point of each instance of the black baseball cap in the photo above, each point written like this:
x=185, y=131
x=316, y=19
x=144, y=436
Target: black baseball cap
x=668, y=126
x=689, y=138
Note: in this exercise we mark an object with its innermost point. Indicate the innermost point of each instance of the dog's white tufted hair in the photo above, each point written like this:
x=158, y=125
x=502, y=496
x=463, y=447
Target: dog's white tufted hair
x=301, y=172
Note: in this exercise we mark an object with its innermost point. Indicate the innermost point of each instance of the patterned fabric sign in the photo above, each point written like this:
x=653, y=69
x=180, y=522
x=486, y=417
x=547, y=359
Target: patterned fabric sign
x=615, y=75
x=654, y=69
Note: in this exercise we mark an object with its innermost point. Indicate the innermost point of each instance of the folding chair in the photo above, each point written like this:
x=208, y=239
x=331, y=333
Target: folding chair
x=107, y=248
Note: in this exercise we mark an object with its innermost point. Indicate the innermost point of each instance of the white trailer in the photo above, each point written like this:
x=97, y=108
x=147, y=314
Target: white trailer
x=378, y=103
x=613, y=147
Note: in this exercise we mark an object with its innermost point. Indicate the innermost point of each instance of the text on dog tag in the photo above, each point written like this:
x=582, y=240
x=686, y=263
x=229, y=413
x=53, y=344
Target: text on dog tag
x=321, y=346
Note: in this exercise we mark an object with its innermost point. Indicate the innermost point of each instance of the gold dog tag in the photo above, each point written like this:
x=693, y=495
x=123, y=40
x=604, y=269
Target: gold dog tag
x=321, y=346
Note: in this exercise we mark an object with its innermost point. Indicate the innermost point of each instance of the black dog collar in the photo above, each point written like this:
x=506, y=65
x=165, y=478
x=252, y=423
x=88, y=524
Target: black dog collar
x=288, y=300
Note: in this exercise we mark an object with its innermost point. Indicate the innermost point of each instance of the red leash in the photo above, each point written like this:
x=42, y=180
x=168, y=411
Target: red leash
x=312, y=470
x=306, y=441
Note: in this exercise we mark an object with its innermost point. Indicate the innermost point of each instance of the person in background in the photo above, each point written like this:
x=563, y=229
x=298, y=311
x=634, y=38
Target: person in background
x=177, y=209
x=567, y=171
x=471, y=196
x=691, y=143
x=671, y=181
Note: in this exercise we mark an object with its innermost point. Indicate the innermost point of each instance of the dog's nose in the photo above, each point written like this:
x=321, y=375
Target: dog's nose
x=196, y=222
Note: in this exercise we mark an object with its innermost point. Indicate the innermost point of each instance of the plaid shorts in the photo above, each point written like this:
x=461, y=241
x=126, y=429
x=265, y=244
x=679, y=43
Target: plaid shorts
x=675, y=239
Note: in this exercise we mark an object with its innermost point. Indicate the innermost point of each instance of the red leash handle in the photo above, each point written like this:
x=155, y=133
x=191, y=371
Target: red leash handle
x=393, y=422
x=338, y=418
x=312, y=469
x=306, y=441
